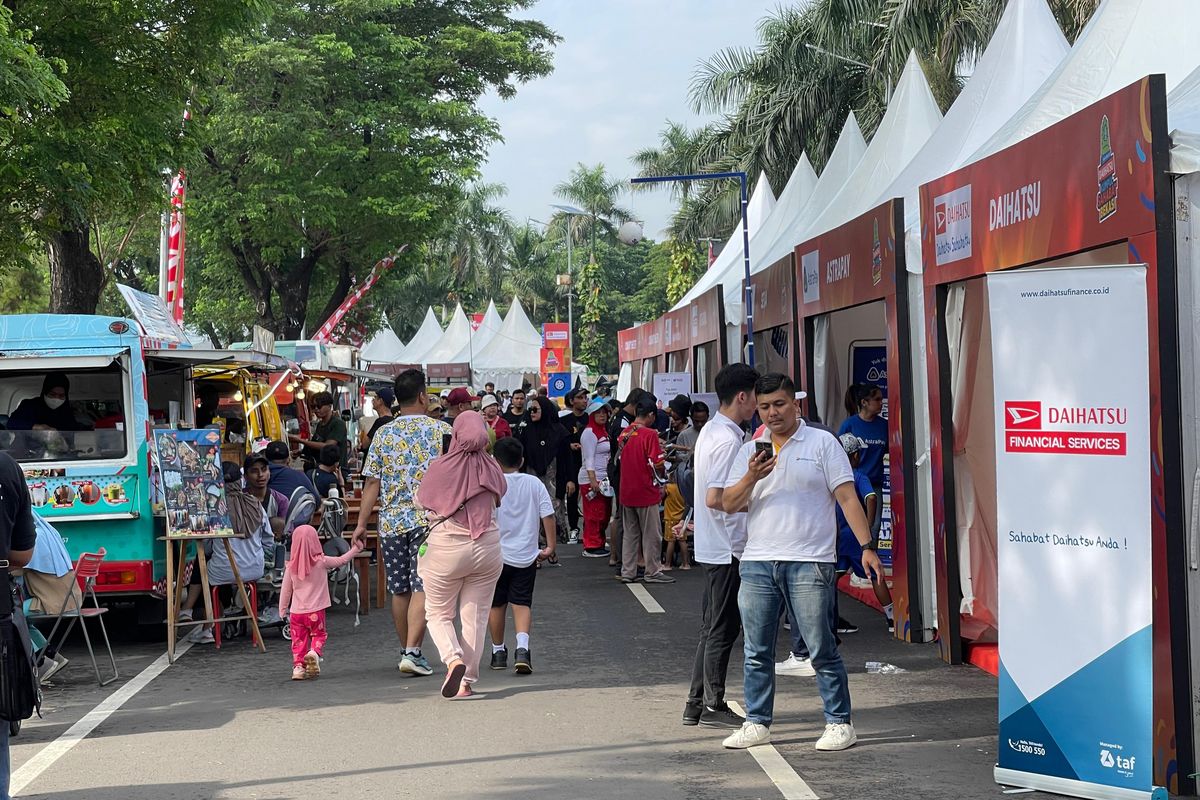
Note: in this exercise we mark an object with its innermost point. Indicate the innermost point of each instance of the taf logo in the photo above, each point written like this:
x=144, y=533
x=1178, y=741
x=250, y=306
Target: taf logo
x=1121, y=764
x=1107, y=760
x=952, y=225
x=1023, y=415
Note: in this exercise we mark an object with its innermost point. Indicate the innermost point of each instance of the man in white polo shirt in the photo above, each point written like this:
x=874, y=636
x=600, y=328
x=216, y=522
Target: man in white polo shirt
x=719, y=540
x=789, y=480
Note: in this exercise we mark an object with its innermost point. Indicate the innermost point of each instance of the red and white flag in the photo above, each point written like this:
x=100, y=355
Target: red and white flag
x=175, y=248
x=382, y=266
x=711, y=255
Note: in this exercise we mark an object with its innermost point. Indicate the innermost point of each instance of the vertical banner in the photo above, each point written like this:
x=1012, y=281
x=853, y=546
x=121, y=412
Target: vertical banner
x=868, y=364
x=1073, y=506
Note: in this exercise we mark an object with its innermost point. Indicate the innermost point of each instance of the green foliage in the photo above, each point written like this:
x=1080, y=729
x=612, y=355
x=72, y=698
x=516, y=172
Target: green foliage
x=24, y=286
x=344, y=130
x=685, y=270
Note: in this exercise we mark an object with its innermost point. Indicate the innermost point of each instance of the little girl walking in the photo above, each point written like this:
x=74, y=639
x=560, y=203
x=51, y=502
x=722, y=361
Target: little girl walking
x=305, y=593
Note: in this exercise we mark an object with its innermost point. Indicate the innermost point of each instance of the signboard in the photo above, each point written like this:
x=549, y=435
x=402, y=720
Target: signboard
x=774, y=293
x=476, y=321
x=1073, y=489
x=558, y=384
x=556, y=335
x=704, y=317
x=448, y=373
x=193, y=483
x=57, y=495
x=554, y=360
x=676, y=331
x=667, y=385
x=152, y=315
x=262, y=340
x=627, y=345
x=849, y=265
x=868, y=364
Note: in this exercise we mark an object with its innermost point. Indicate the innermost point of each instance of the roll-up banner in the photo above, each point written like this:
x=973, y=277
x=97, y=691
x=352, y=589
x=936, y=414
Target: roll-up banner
x=1072, y=401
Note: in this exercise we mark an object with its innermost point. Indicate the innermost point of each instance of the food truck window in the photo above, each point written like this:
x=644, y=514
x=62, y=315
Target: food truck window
x=221, y=401
x=91, y=424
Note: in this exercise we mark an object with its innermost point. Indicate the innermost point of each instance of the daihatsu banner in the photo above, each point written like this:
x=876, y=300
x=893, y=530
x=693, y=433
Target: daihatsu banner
x=1072, y=416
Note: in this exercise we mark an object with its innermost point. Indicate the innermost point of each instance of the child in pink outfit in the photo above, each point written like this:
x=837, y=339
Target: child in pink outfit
x=305, y=595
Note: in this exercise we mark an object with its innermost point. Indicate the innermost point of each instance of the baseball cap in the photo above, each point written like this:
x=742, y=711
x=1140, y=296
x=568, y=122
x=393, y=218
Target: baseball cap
x=275, y=451
x=851, y=443
x=257, y=458
x=387, y=395
x=459, y=396
x=801, y=395
x=488, y=400
x=596, y=405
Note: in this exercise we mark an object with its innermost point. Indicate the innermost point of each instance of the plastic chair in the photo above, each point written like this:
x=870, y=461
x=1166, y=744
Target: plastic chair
x=251, y=591
x=87, y=568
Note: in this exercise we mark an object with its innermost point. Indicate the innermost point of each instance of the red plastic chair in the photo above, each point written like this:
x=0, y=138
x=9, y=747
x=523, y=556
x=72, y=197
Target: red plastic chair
x=252, y=592
x=87, y=568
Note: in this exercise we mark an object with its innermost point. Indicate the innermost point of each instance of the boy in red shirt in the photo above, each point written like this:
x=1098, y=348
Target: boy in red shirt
x=640, y=492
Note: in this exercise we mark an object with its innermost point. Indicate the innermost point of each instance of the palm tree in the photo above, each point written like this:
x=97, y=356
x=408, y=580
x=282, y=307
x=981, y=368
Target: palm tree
x=531, y=275
x=593, y=191
x=479, y=235
x=678, y=153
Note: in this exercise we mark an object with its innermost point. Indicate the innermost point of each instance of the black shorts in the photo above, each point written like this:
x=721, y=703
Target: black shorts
x=515, y=586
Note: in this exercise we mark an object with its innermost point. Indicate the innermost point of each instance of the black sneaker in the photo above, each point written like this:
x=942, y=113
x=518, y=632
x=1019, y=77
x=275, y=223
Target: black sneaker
x=722, y=717
x=500, y=659
x=691, y=713
x=522, y=663
x=891, y=626
x=595, y=552
x=846, y=626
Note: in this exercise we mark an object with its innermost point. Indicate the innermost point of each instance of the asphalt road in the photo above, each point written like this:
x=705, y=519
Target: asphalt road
x=599, y=718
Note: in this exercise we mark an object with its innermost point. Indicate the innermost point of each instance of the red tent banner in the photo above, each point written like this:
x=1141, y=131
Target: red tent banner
x=175, y=248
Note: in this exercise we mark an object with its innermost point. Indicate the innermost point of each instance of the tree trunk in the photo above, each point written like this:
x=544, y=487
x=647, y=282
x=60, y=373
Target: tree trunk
x=76, y=275
x=341, y=291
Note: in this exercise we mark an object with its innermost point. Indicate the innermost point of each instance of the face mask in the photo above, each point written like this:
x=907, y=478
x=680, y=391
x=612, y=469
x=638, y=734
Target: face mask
x=53, y=402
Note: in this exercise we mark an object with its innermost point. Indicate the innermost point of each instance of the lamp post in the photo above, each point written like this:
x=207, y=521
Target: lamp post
x=570, y=211
x=747, y=288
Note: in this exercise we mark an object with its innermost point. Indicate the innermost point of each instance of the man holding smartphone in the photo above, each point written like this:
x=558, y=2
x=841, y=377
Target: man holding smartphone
x=399, y=456
x=790, y=480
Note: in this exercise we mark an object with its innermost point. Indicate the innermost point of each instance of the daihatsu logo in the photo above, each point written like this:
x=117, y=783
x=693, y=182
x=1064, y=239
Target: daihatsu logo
x=1022, y=415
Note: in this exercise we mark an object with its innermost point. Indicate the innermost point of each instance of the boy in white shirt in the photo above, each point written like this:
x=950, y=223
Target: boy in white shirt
x=526, y=506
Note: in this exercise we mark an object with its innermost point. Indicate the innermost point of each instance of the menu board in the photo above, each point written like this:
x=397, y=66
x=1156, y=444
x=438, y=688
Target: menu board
x=193, y=484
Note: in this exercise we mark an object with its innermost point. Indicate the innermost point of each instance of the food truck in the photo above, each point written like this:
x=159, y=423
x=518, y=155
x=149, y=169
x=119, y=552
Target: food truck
x=92, y=474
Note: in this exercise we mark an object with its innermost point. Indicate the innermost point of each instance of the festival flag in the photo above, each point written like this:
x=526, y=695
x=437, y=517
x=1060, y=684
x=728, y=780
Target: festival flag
x=382, y=266
x=712, y=256
x=175, y=249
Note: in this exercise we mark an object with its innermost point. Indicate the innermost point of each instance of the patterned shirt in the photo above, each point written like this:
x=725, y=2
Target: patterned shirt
x=399, y=456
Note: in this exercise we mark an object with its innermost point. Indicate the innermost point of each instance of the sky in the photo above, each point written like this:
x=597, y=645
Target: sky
x=622, y=69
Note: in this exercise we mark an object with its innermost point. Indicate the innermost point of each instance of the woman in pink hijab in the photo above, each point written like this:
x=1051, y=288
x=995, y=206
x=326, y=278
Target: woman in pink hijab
x=461, y=559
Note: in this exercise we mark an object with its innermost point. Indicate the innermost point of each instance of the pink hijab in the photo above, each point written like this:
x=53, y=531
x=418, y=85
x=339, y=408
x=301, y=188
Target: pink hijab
x=306, y=552
x=466, y=476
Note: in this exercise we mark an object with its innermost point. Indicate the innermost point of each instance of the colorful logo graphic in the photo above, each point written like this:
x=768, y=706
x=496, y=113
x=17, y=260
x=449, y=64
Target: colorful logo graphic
x=1070, y=430
x=1106, y=174
x=952, y=225
x=811, y=266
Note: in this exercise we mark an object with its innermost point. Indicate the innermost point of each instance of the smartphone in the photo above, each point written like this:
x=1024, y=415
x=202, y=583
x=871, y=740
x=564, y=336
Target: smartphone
x=764, y=447
x=446, y=443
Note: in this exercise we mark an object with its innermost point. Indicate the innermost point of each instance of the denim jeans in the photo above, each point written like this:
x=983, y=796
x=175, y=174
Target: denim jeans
x=809, y=589
x=799, y=648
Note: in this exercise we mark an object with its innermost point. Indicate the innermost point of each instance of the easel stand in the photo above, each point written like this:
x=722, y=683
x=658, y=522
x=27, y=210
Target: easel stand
x=177, y=548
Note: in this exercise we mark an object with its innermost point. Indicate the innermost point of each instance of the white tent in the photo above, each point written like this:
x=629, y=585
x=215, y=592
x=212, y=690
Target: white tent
x=426, y=337
x=910, y=119
x=729, y=265
x=771, y=241
x=513, y=353
x=385, y=346
x=489, y=326
x=1183, y=110
x=456, y=337
x=1124, y=41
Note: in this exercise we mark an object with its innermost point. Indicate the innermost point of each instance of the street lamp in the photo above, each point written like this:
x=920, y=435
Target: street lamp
x=748, y=289
x=570, y=211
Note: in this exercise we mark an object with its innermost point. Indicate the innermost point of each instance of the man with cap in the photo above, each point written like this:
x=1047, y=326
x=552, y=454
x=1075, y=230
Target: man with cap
x=458, y=401
x=382, y=404
x=284, y=479
x=49, y=411
x=490, y=407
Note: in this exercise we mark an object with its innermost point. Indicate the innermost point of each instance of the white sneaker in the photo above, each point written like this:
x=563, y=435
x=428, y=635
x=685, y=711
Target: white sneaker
x=795, y=667
x=185, y=615
x=201, y=635
x=837, y=736
x=749, y=735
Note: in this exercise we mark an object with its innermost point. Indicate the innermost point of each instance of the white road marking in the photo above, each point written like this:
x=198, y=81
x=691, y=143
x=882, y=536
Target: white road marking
x=645, y=598
x=52, y=752
x=789, y=784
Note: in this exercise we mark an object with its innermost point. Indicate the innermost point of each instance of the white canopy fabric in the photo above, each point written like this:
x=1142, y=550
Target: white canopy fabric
x=385, y=347
x=730, y=261
x=1183, y=110
x=846, y=155
x=514, y=352
x=489, y=326
x=425, y=338
x=1028, y=35
x=456, y=337
x=1124, y=41
x=911, y=117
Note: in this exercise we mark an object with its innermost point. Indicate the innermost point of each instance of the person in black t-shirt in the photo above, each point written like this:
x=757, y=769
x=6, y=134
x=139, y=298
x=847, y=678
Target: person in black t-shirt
x=327, y=475
x=17, y=536
x=383, y=401
x=516, y=415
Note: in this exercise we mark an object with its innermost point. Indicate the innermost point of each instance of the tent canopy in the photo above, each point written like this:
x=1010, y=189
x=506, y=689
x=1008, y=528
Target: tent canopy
x=1183, y=109
x=455, y=338
x=426, y=337
x=487, y=330
x=385, y=346
x=1124, y=41
x=514, y=352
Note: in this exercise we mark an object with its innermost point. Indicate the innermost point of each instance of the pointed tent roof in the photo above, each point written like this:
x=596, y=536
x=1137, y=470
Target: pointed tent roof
x=846, y=155
x=516, y=346
x=910, y=119
x=456, y=336
x=1027, y=34
x=385, y=346
x=489, y=326
x=426, y=337
x=730, y=259
x=1124, y=41
x=1183, y=108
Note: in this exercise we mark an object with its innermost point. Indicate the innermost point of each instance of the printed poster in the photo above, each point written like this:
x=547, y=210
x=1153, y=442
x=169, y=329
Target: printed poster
x=193, y=483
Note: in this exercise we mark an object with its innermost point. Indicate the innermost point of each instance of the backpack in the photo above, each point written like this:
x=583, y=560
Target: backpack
x=685, y=479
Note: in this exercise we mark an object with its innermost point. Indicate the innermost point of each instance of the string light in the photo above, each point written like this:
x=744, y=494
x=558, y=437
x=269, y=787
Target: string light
x=239, y=396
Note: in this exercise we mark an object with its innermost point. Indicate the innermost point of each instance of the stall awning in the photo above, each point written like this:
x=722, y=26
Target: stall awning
x=241, y=358
x=58, y=360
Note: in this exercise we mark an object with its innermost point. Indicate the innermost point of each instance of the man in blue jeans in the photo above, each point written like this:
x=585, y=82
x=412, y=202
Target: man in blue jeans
x=790, y=480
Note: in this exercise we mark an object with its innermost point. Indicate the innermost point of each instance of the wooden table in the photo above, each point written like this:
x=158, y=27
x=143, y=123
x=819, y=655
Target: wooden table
x=353, y=515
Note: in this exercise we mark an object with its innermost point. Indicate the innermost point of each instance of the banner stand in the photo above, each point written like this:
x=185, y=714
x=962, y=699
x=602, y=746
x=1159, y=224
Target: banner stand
x=1047, y=783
